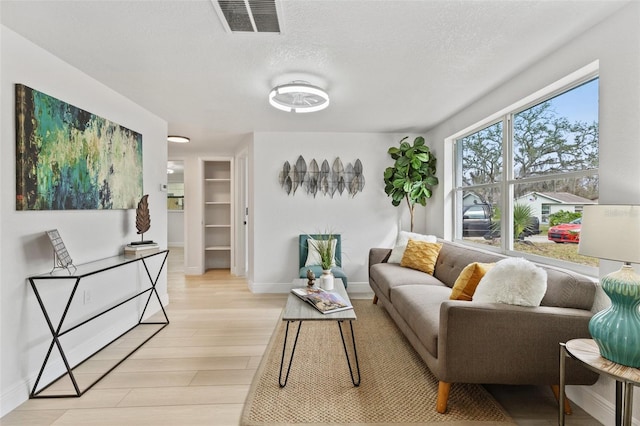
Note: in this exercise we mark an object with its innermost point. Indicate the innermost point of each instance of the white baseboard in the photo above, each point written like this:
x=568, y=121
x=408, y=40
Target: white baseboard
x=164, y=298
x=193, y=270
x=597, y=406
x=361, y=289
x=19, y=393
x=15, y=396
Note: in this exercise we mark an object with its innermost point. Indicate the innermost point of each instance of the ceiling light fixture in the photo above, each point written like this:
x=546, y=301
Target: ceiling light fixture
x=298, y=96
x=178, y=139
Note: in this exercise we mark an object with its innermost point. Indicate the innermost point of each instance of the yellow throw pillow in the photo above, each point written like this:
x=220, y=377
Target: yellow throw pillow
x=421, y=255
x=468, y=280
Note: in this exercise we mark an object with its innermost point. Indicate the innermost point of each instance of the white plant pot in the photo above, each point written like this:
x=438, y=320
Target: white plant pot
x=326, y=280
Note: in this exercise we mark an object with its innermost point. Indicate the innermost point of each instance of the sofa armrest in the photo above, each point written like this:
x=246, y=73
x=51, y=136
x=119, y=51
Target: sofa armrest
x=378, y=255
x=500, y=343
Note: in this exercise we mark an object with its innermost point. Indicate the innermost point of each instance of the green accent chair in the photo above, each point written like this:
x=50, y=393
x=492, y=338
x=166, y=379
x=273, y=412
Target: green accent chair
x=317, y=269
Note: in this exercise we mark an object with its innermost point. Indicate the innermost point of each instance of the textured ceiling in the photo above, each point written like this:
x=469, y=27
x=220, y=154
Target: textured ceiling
x=389, y=66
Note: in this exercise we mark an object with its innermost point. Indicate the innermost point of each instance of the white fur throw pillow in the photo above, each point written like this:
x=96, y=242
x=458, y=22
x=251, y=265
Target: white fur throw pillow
x=401, y=244
x=514, y=281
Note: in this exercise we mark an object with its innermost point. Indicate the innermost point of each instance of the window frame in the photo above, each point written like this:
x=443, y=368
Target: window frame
x=507, y=182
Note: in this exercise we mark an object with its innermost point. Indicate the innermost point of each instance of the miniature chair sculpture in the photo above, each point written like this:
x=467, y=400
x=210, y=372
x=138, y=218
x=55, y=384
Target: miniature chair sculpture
x=306, y=262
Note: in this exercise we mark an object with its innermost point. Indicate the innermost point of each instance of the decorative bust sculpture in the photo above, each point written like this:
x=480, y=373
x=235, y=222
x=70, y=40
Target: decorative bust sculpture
x=311, y=278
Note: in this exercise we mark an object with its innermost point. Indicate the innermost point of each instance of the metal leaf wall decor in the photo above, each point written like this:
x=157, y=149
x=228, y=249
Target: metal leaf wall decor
x=299, y=173
x=325, y=173
x=312, y=178
x=285, y=177
x=327, y=180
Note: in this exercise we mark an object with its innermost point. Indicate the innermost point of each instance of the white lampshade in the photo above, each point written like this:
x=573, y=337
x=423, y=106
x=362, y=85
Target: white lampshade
x=611, y=232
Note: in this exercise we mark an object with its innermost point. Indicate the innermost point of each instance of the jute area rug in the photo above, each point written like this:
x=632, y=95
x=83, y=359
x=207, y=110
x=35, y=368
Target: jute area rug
x=396, y=386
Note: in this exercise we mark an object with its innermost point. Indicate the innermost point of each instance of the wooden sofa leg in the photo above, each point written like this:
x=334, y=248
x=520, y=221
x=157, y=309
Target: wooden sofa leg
x=567, y=404
x=375, y=299
x=443, y=397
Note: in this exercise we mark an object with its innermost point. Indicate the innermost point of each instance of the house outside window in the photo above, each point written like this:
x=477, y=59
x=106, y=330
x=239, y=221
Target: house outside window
x=531, y=168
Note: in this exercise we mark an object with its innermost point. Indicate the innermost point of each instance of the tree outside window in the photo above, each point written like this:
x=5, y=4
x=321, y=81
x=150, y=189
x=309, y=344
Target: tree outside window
x=550, y=163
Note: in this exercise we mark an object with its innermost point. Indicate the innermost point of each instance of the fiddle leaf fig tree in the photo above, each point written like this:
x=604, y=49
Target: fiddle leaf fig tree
x=413, y=175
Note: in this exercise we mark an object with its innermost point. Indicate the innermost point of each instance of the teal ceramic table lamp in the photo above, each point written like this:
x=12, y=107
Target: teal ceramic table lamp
x=613, y=232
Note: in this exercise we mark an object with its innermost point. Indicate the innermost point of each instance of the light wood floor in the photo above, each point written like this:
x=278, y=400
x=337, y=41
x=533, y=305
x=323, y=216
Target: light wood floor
x=197, y=371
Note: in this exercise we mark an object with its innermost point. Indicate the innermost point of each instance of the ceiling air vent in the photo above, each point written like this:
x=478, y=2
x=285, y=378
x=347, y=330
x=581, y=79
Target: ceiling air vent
x=254, y=16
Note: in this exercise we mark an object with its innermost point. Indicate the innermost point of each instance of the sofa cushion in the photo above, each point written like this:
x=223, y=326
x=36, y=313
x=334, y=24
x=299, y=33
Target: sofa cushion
x=514, y=281
x=567, y=289
x=389, y=275
x=468, y=280
x=419, y=306
x=453, y=258
x=401, y=244
x=421, y=255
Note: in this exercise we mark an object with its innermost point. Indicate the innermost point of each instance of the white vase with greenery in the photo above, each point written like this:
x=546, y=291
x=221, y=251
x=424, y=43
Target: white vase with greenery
x=325, y=249
x=326, y=280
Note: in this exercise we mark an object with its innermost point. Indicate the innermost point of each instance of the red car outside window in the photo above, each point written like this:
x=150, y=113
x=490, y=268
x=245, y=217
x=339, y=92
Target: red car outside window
x=566, y=232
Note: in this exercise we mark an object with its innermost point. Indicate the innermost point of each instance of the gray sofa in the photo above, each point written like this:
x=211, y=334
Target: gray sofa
x=472, y=342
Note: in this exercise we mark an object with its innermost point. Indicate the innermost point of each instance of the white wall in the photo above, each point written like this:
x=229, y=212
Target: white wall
x=175, y=218
x=615, y=43
x=88, y=234
x=175, y=228
x=364, y=221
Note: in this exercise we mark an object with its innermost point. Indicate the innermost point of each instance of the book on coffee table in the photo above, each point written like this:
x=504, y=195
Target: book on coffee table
x=327, y=302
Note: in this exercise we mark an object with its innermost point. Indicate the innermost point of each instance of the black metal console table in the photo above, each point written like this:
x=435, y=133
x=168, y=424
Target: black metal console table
x=59, y=330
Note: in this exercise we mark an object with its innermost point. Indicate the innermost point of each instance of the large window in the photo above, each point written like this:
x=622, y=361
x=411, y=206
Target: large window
x=522, y=180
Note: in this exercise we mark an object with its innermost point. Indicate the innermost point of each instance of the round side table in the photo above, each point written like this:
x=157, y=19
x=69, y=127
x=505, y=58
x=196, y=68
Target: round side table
x=586, y=351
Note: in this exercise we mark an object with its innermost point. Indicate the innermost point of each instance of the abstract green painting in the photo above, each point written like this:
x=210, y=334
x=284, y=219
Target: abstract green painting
x=70, y=159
